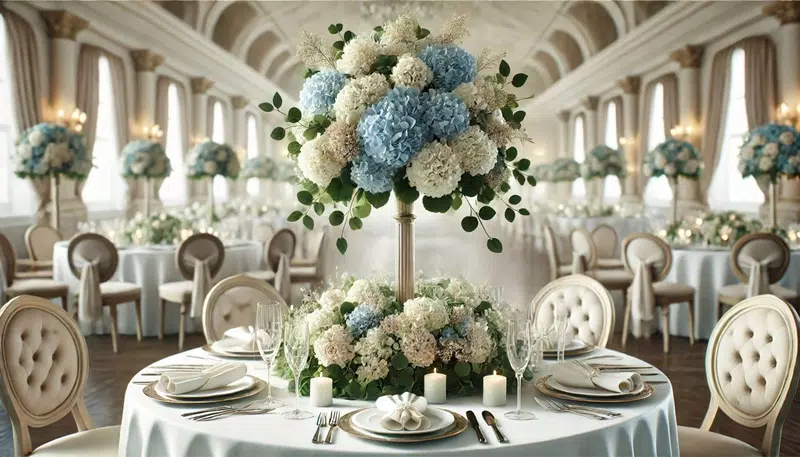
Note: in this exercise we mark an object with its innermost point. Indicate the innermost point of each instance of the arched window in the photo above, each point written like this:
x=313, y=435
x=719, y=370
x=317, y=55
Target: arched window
x=657, y=190
x=728, y=189
x=253, y=150
x=579, y=154
x=102, y=186
x=218, y=136
x=612, y=188
x=173, y=190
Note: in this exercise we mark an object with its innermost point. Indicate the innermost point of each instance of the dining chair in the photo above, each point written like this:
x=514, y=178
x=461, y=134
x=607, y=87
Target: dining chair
x=585, y=260
x=202, y=248
x=40, y=239
x=764, y=253
x=232, y=303
x=590, y=308
x=43, y=370
x=557, y=269
x=13, y=286
x=99, y=251
x=656, y=255
x=605, y=239
x=752, y=373
x=262, y=231
x=312, y=271
x=283, y=243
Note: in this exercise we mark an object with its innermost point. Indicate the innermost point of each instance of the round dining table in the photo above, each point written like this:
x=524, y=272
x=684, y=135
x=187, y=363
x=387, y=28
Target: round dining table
x=149, y=428
x=707, y=269
x=149, y=267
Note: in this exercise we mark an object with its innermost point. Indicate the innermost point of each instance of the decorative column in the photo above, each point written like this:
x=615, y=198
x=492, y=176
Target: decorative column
x=198, y=190
x=631, y=194
x=63, y=28
x=594, y=187
x=788, y=57
x=562, y=191
x=145, y=63
x=690, y=57
x=239, y=103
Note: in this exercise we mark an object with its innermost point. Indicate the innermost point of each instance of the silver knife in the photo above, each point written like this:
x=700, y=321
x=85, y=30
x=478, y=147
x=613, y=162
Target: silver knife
x=491, y=422
x=475, y=425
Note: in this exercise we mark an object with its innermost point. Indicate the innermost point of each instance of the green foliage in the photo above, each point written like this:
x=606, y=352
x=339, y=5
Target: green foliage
x=470, y=185
x=422, y=33
x=348, y=36
x=294, y=115
x=336, y=218
x=532, y=180
x=305, y=197
x=437, y=205
x=341, y=245
x=404, y=192
x=383, y=64
x=294, y=148
x=469, y=223
x=519, y=80
x=356, y=223
x=505, y=69
x=511, y=154
x=494, y=245
x=508, y=114
x=377, y=200
x=319, y=208
x=519, y=116
x=515, y=199
x=486, y=213
x=308, y=222
x=510, y=215
x=278, y=133
x=266, y=107
x=294, y=216
x=347, y=308
x=277, y=100
x=524, y=212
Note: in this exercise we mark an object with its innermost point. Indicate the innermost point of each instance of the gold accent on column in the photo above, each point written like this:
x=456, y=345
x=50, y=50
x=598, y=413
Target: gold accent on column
x=630, y=84
x=590, y=103
x=689, y=56
x=239, y=101
x=788, y=12
x=404, y=286
x=563, y=116
x=146, y=60
x=63, y=24
x=201, y=85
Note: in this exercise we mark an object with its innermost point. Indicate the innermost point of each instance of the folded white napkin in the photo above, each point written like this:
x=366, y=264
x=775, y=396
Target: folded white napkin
x=245, y=338
x=403, y=412
x=90, y=300
x=177, y=382
x=758, y=282
x=201, y=284
x=573, y=374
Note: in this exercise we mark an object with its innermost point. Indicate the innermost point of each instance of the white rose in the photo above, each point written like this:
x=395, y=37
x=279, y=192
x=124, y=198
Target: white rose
x=660, y=161
x=746, y=153
x=787, y=138
x=794, y=160
x=758, y=140
x=210, y=167
x=35, y=138
x=684, y=154
x=690, y=167
x=771, y=149
x=765, y=163
x=138, y=168
x=24, y=151
x=222, y=154
x=670, y=170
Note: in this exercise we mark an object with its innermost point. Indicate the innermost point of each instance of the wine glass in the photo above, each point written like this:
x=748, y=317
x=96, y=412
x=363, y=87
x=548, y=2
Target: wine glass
x=518, y=349
x=560, y=324
x=538, y=338
x=295, y=347
x=269, y=331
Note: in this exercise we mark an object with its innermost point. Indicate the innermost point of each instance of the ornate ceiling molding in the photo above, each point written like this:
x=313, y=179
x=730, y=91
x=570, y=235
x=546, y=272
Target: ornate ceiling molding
x=201, y=85
x=788, y=12
x=239, y=102
x=630, y=84
x=590, y=103
x=689, y=56
x=146, y=60
x=63, y=24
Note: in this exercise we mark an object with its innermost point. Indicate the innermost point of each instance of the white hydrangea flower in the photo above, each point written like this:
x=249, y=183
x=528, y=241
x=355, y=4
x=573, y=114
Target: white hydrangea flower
x=358, y=95
x=746, y=153
x=481, y=344
x=376, y=343
x=690, y=167
x=210, y=167
x=316, y=164
x=358, y=56
x=670, y=170
x=334, y=347
x=477, y=151
x=320, y=319
x=771, y=149
x=24, y=151
x=367, y=292
x=758, y=140
x=467, y=293
x=332, y=299
x=419, y=347
x=411, y=71
x=786, y=138
x=468, y=93
x=765, y=163
x=372, y=368
x=435, y=170
x=660, y=161
x=429, y=313
x=35, y=138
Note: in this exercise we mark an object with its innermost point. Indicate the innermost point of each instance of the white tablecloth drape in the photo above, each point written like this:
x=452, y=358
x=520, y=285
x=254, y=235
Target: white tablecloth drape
x=152, y=429
x=150, y=267
x=707, y=270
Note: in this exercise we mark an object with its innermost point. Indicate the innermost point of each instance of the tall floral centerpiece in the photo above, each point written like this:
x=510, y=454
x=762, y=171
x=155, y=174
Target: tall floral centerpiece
x=563, y=171
x=770, y=151
x=674, y=158
x=147, y=160
x=209, y=159
x=49, y=150
x=401, y=110
x=602, y=161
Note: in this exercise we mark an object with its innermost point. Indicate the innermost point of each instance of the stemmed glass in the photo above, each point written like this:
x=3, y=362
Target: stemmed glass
x=518, y=349
x=538, y=338
x=560, y=324
x=269, y=331
x=295, y=347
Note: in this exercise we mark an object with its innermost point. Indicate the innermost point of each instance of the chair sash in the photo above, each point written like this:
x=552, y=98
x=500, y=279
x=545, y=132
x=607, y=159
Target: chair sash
x=201, y=283
x=758, y=281
x=578, y=263
x=90, y=299
x=283, y=281
x=643, y=299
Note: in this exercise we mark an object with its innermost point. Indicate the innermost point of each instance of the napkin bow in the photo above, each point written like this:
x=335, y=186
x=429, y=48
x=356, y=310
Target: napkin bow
x=758, y=281
x=201, y=283
x=403, y=412
x=90, y=299
x=576, y=374
x=181, y=382
x=642, y=296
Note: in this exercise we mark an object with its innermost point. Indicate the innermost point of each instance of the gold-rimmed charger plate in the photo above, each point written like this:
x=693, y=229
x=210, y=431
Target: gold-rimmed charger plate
x=345, y=423
x=258, y=385
x=587, y=348
x=541, y=385
x=230, y=355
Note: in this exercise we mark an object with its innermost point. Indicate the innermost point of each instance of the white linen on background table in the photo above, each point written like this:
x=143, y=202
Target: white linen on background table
x=150, y=267
x=707, y=270
x=152, y=429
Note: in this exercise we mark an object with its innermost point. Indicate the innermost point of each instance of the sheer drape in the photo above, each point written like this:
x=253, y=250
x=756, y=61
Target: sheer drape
x=671, y=110
x=759, y=79
x=671, y=115
x=717, y=108
x=120, y=84
x=87, y=97
x=162, y=119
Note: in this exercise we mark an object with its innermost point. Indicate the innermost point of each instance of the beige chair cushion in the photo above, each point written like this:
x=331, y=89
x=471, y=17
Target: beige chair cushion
x=590, y=308
x=45, y=288
x=609, y=263
x=694, y=442
x=612, y=279
x=263, y=275
x=98, y=442
x=38, y=274
x=120, y=292
x=303, y=274
x=672, y=292
x=734, y=293
x=176, y=292
x=236, y=307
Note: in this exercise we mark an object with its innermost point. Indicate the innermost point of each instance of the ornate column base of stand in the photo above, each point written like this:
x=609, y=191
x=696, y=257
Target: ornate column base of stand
x=690, y=199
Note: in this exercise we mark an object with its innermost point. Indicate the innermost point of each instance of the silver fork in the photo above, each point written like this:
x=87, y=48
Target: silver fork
x=321, y=420
x=231, y=412
x=333, y=422
x=548, y=405
x=590, y=409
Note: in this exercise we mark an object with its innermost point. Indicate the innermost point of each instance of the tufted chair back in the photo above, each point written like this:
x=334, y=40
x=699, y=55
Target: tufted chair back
x=8, y=260
x=43, y=367
x=232, y=303
x=283, y=242
x=590, y=308
x=760, y=247
x=200, y=246
x=551, y=247
x=583, y=245
x=644, y=247
x=751, y=366
x=91, y=247
x=605, y=241
x=40, y=240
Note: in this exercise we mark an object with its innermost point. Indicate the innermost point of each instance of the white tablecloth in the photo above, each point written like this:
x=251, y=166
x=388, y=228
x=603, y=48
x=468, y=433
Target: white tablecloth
x=150, y=267
x=152, y=429
x=707, y=270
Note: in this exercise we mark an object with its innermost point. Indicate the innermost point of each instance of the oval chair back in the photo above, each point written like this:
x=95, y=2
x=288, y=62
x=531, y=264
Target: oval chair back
x=768, y=249
x=200, y=246
x=8, y=261
x=283, y=242
x=40, y=240
x=551, y=246
x=645, y=247
x=605, y=241
x=92, y=248
x=582, y=245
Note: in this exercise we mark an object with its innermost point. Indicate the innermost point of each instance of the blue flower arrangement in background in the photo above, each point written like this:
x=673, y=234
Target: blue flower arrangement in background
x=320, y=91
x=603, y=161
x=259, y=167
x=372, y=176
x=673, y=158
x=444, y=115
x=771, y=150
x=361, y=319
x=209, y=159
x=390, y=132
x=564, y=170
x=51, y=149
x=144, y=159
x=451, y=66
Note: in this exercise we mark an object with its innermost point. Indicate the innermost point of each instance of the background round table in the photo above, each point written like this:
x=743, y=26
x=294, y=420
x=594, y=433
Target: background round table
x=149, y=267
x=707, y=270
x=149, y=428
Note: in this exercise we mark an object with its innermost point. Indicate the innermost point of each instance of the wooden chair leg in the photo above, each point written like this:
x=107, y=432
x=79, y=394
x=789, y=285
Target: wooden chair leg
x=138, y=305
x=113, y=310
x=180, y=327
x=162, y=307
x=691, y=322
x=665, y=327
x=626, y=320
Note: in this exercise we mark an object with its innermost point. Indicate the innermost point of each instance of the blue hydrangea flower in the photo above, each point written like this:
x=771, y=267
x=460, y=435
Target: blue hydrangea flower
x=66, y=147
x=320, y=91
x=390, y=132
x=372, y=176
x=451, y=66
x=449, y=332
x=145, y=159
x=444, y=115
x=361, y=319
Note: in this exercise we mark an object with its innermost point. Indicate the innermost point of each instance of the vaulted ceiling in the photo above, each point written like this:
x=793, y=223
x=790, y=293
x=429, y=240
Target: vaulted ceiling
x=545, y=39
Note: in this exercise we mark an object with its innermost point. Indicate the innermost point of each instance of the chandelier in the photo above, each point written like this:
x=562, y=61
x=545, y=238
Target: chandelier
x=389, y=9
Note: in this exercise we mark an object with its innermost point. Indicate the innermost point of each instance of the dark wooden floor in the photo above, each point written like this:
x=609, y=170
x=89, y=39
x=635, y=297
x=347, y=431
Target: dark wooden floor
x=109, y=374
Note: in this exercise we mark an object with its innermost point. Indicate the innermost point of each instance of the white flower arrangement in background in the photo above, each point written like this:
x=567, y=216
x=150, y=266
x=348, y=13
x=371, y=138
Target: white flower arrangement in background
x=674, y=158
x=144, y=159
x=602, y=161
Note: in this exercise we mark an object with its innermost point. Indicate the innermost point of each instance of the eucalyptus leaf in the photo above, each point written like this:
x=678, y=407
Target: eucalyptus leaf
x=294, y=115
x=356, y=223
x=510, y=215
x=266, y=107
x=277, y=100
x=338, y=45
x=278, y=133
x=362, y=211
x=505, y=187
x=437, y=205
x=523, y=164
x=519, y=116
x=519, y=80
x=486, y=213
x=294, y=148
x=462, y=369
x=336, y=218
x=514, y=199
x=511, y=154
x=339, y=27
x=470, y=185
x=294, y=216
x=532, y=180
x=377, y=200
x=305, y=197
x=341, y=245
x=494, y=245
x=347, y=307
x=457, y=202
x=319, y=208
x=310, y=134
x=348, y=35
x=399, y=361
x=508, y=114
x=332, y=29
x=505, y=69
x=469, y=223
x=308, y=222
x=524, y=212
x=404, y=192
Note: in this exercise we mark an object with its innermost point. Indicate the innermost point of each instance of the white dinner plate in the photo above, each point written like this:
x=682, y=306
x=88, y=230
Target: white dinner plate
x=232, y=388
x=586, y=392
x=232, y=346
x=573, y=345
x=370, y=420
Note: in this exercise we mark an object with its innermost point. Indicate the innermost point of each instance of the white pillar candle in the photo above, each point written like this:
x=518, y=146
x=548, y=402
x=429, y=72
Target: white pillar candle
x=436, y=387
x=321, y=391
x=494, y=390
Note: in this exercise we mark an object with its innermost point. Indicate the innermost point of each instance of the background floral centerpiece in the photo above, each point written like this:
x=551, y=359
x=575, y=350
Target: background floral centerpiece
x=714, y=229
x=209, y=159
x=156, y=229
x=602, y=161
x=46, y=150
x=372, y=345
x=564, y=170
x=542, y=172
x=674, y=158
x=144, y=159
x=259, y=168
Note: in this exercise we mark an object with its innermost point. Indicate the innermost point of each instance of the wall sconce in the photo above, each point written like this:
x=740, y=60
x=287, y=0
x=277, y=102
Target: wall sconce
x=787, y=115
x=153, y=133
x=683, y=132
x=626, y=141
x=74, y=122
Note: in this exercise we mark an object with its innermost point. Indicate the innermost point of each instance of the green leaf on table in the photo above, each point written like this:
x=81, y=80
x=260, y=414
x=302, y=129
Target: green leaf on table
x=469, y=223
x=378, y=200
x=346, y=307
x=511, y=153
x=462, y=369
x=486, y=212
x=532, y=180
x=308, y=222
x=494, y=245
x=519, y=116
x=336, y=218
x=519, y=80
x=278, y=133
x=505, y=69
x=524, y=212
x=277, y=100
x=514, y=199
x=266, y=107
x=510, y=215
x=356, y=223
x=319, y=208
x=470, y=185
x=294, y=216
x=399, y=361
x=404, y=192
x=305, y=197
x=523, y=164
x=437, y=205
x=294, y=115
